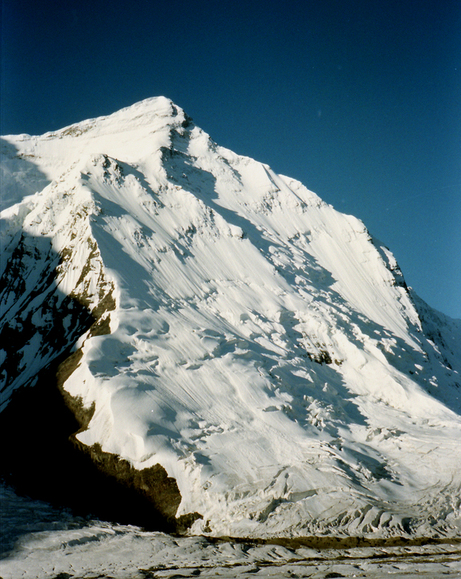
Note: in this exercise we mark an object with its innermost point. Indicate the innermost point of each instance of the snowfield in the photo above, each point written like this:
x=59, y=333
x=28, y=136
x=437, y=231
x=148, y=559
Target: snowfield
x=38, y=542
x=258, y=345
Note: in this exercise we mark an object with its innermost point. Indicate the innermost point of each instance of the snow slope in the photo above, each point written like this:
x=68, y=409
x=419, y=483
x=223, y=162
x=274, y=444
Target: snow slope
x=256, y=343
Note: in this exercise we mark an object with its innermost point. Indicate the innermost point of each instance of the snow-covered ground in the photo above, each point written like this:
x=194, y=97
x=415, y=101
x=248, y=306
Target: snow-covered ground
x=263, y=347
x=39, y=542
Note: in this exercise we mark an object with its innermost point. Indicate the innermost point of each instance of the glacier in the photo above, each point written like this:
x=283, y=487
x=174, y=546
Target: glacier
x=240, y=357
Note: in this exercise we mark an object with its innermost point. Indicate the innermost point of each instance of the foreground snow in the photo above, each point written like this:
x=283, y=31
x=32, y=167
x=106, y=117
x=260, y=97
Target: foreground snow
x=263, y=348
x=40, y=542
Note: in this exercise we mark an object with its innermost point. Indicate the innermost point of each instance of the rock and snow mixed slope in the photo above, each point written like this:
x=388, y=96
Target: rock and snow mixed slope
x=229, y=328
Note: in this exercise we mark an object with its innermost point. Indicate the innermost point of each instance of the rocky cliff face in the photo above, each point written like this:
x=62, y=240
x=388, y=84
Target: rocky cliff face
x=192, y=341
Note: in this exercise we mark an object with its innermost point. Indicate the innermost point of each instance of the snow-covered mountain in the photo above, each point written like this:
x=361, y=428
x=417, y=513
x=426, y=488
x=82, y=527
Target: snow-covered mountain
x=225, y=350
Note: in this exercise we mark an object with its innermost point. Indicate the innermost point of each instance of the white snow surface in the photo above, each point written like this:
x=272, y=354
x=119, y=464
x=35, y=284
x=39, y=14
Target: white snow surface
x=38, y=542
x=264, y=348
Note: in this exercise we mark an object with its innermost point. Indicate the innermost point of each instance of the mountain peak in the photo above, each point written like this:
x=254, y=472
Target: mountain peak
x=154, y=112
x=243, y=357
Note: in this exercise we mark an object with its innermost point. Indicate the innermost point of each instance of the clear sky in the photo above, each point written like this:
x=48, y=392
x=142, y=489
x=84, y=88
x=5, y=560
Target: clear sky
x=359, y=100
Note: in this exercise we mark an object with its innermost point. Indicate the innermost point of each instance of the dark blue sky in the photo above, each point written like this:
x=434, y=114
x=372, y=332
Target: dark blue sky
x=361, y=101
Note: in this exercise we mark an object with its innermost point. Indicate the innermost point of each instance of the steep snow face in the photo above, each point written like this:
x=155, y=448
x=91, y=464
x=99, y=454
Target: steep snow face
x=263, y=348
